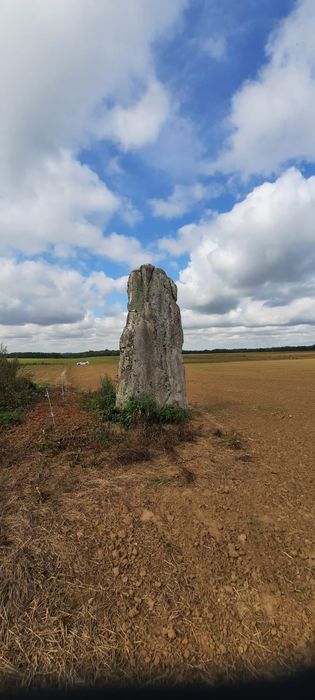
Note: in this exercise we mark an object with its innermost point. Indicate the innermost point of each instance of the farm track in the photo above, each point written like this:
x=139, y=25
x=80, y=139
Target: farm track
x=155, y=561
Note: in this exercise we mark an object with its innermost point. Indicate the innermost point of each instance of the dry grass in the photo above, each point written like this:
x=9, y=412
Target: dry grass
x=157, y=554
x=61, y=616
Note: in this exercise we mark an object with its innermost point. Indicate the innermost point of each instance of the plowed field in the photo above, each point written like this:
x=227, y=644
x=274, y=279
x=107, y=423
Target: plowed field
x=173, y=556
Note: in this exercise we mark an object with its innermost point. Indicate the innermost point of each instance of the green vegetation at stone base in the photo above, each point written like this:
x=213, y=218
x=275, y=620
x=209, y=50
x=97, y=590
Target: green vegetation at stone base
x=137, y=408
x=17, y=391
x=144, y=407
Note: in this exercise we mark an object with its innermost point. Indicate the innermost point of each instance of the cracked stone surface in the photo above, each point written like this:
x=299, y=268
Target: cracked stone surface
x=151, y=359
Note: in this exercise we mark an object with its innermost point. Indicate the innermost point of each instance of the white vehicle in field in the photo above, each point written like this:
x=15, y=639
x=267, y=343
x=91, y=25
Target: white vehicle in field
x=81, y=364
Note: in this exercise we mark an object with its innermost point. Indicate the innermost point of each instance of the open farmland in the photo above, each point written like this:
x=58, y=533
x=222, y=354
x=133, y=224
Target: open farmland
x=153, y=557
x=88, y=377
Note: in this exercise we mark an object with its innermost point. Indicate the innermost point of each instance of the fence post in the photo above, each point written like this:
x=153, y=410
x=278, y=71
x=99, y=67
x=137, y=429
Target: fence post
x=51, y=410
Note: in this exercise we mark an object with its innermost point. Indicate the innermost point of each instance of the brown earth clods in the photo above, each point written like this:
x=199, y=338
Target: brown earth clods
x=157, y=555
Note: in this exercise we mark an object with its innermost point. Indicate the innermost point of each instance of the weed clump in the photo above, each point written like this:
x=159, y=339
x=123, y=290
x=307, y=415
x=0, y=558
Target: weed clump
x=144, y=408
x=107, y=397
x=12, y=416
x=137, y=409
x=103, y=399
x=234, y=440
x=16, y=389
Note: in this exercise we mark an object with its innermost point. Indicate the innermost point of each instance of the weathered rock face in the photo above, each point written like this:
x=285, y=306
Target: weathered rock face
x=151, y=344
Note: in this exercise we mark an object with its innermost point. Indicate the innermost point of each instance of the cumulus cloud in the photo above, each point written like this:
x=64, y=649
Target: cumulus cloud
x=126, y=249
x=61, y=65
x=76, y=73
x=249, y=281
x=103, y=332
x=61, y=201
x=272, y=117
x=183, y=199
x=254, y=266
x=139, y=124
x=61, y=206
x=35, y=292
x=188, y=237
x=91, y=332
x=62, y=68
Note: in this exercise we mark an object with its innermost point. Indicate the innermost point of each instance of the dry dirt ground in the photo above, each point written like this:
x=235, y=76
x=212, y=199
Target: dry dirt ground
x=161, y=556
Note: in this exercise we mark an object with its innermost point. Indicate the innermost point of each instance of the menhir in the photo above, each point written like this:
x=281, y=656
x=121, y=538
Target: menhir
x=151, y=361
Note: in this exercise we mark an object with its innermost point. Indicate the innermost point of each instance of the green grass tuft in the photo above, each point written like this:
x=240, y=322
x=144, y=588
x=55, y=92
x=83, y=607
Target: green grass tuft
x=11, y=416
x=102, y=400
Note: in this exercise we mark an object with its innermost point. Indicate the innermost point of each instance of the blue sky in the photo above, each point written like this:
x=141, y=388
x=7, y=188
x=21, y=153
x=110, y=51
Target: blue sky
x=180, y=134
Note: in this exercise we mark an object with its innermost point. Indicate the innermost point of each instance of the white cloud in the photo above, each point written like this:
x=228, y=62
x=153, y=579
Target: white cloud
x=61, y=206
x=250, y=281
x=90, y=333
x=125, y=249
x=272, y=117
x=72, y=73
x=60, y=202
x=61, y=61
x=130, y=214
x=183, y=199
x=254, y=266
x=45, y=306
x=62, y=67
x=187, y=239
x=139, y=124
x=41, y=294
x=244, y=337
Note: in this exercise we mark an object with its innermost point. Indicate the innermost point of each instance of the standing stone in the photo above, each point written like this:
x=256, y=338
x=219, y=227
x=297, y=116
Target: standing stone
x=151, y=359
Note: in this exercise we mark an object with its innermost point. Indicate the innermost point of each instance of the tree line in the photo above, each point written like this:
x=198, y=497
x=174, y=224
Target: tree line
x=102, y=353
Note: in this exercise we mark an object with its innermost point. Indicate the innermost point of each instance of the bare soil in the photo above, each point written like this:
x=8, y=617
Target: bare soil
x=173, y=555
